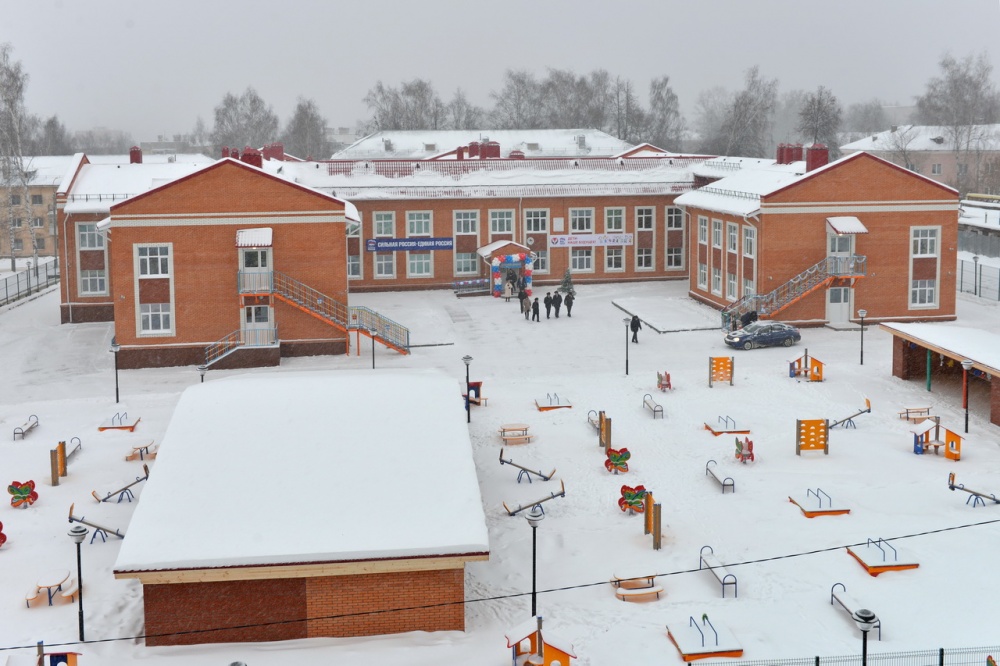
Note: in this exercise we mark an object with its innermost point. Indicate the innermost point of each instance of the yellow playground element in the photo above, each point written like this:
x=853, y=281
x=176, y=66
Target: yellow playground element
x=937, y=436
x=720, y=369
x=807, y=367
x=812, y=435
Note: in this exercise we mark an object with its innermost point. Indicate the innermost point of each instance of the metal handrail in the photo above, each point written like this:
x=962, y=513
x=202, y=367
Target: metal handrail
x=254, y=337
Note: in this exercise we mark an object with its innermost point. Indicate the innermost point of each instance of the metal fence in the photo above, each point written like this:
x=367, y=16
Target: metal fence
x=979, y=280
x=975, y=656
x=27, y=282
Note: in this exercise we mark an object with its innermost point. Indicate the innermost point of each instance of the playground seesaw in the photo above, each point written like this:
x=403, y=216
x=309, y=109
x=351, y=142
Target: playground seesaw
x=98, y=529
x=125, y=492
x=525, y=472
x=522, y=507
x=977, y=498
x=849, y=421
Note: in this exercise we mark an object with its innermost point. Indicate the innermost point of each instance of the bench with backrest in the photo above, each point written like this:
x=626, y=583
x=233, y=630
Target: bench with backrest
x=842, y=599
x=708, y=560
x=28, y=426
x=651, y=405
x=915, y=413
x=724, y=481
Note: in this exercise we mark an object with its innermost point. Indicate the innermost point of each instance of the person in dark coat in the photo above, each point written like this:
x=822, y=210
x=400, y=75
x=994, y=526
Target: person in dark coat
x=557, y=303
x=636, y=326
x=548, y=304
x=569, y=304
x=534, y=311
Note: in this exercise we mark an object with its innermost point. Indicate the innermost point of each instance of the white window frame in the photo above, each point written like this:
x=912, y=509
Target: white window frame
x=384, y=224
x=154, y=265
x=645, y=218
x=702, y=230
x=37, y=223
x=748, y=287
x=674, y=257
x=644, y=259
x=419, y=223
x=502, y=218
x=717, y=234
x=354, y=267
x=536, y=220
x=936, y=169
x=581, y=221
x=466, y=222
x=732, y=237
x=93, y=282
x=614, y=259
x=731, y=283
x=88, y=237
x=674, y=217
x=750, y=242
x=614, y=220
x=380, y=263
x=717, y=281
x=411, y=257
x=18, y=245
x=581, y=259
x=153, y=312
x=924, y=241
x=541, y=262
x=923, y=294
x=472, y=265
x=702, y=276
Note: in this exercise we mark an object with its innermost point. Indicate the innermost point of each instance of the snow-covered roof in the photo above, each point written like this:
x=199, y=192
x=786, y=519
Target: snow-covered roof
x=422, y=144
x=99, y=186
x=846, y=224
x=488, y=249
x=979, y=213
x=51, y=169
x=260, y=237
x=979, y=345
x=305, y=467
x=740, y=193
x=922, y=138
x=723, y=167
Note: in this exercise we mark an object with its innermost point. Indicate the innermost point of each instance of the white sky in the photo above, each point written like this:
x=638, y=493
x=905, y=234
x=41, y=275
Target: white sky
x=153, y=68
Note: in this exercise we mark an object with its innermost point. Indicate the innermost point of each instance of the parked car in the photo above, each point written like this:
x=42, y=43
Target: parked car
x=763, y=334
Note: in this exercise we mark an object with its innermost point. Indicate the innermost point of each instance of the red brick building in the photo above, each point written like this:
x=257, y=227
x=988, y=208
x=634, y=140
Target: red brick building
x=812, y=243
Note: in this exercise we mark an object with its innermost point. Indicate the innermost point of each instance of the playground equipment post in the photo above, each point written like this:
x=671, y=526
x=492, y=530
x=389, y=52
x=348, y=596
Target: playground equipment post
x=468, y=403
x=862, y=314
x=627, y=320
x=115, y=348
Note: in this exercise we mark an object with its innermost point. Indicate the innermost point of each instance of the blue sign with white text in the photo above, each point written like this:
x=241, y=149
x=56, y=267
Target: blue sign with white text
x=408, y=244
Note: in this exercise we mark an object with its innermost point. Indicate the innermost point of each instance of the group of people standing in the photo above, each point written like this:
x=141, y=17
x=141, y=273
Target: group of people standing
x=531, y=310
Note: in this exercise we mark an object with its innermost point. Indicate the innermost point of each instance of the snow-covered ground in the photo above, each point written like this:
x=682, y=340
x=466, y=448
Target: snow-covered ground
x=785, y=563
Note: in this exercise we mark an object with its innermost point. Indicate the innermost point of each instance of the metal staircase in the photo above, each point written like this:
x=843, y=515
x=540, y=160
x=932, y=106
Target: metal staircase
x=815, y=277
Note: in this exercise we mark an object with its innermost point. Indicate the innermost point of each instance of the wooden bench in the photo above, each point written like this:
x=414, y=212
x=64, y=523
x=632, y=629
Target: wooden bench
x=69, y=590
x=28, y=426
x=663, y=381
x=143, y=451
x=516, y=439
x=841, y=598
x=32, y=595
x=635, y=582
x=651, y=405
x=638, y=593
x=707, y=560
x=725, y=482
x=915, y=414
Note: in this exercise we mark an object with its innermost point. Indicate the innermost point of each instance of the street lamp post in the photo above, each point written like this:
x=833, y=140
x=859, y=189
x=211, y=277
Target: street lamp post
x=862, y=314
x=78, y=533
x=115, y=348
x=627, y=320
x=865, y=619
x=534, y=517
x=468, y=403
x=975, y=275
x=202, y=369
x=966, y=366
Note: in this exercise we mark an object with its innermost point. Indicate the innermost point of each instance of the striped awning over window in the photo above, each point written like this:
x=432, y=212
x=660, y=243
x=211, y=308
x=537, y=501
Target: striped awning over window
x=254, y=237
x=846, y=225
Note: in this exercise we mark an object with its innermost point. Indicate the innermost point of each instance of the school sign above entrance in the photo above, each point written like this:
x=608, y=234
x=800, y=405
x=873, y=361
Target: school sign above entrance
x=408, y=244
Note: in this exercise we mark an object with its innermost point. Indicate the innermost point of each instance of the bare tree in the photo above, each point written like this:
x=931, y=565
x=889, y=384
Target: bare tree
x=597, y=103
x=747, y=124
x=865, y=118
x=246, y=120
x=665, y=121
x=103, y=141
x=786, y=117
x=462, y=114
x=51, y=138
x=14, y=175
x=517, y=105
x=305, y=133
x=710, y=115
x=897, y=144
x=819, y=119
x=631, y=122
x=415, y=105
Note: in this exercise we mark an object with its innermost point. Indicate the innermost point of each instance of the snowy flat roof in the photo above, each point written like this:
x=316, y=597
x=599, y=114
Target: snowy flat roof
x=980, y=346
x=260, y=237
x=846, y=224
x=924, y=138
x=99, y=186
x=310, y=467
x=396, y=144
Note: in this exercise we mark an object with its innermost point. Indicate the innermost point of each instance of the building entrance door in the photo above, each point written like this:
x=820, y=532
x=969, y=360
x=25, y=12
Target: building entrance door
x=255, y=270
x=838, y=305
x=257, y=326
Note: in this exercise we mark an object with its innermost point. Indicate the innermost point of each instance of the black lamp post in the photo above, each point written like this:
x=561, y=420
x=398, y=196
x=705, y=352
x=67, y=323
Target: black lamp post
x=78, y=533
x=628, y=321
x=375, y=335
x=202, y=369
x=468, y=402
x=115, y=348
x=865, y=619
x=862, y=314
x=966, y=366
x=534, y=517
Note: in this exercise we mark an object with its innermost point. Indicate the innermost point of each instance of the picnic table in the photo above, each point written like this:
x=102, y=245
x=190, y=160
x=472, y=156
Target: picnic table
x=514, y=429
x=51, y=582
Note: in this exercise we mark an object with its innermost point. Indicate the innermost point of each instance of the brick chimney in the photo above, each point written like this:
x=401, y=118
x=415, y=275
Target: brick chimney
x=225, y=152
x=794, y=152
x=135, y=155
x=253, y=157
x=817, y=155
x=460, y=153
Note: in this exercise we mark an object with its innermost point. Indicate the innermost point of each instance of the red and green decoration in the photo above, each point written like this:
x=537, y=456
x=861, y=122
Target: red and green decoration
x=617, y=460
x=22, y=494
x=632, y=499
x=3, y=537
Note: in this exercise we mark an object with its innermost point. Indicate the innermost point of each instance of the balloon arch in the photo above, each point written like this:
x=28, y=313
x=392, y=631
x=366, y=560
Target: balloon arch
x=509, y=259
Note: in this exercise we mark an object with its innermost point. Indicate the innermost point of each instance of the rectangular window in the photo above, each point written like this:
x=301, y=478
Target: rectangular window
x=18, y=222
x=36, y=223
x=644, y=218
x=36, y=199
x=644, y=258
x=731, y=286
x=582, y=260
x=748, y=288
x=385, y=224
x=675, y=218
x=385, y=265
x=501, y=221
x=840, y=245
x=581, y=220
x=466, y=222
x=536, y=221
x=353, y=230
x=749, y=242
x=963, y=169
x=93, y=282
x=39, y=243
x=717, y=233
x=18, y=245
x=613, y=259
x=465, y=263
x=717, y=281
x=15, y=200
x=353, y=266
x=935, y=169
x=732, y=237
x=675, y=257
x=614, y=220
x=541, y=261
x=703, y=230
x=418, y=223
x=923, y=292
x=702, y=276
x=154, y=317
x=419, y=264
x=154, y=261
x=924, y=242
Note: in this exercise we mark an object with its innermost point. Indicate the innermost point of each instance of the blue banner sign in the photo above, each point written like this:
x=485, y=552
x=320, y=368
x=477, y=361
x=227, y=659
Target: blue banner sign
x=408, y=244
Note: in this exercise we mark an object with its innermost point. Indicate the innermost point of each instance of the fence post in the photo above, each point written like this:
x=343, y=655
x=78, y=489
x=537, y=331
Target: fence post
x=940, y=656
x=961, y=276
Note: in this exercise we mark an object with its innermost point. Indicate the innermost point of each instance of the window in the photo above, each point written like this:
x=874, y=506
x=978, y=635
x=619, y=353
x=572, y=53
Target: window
x=18, y=245
x=92, y=282
x=702, y=276
x=536, y=221
x=418, y=223
x=840, y=245
x=39, y=243
x=717, y=233
x=732, y=237
x=731, y=286
x=644, y=218
x=154, y=261
x=353, y=266
x=582, y=259
x=90, y=238
x=154, y=317
x=675, y=218
x=541, y=261
x=963, y=169
x=703, y=230
x=749, y=242
x=924, y=242
x=613, y=259
x=923, y=292
x=717, y=281
x=385, y=224
x=419, y=264
x=748, y=288
x=18, y=222
x=644, y=258
x=465, y=263
x=36, y=199
x=385, y=265
x=935, y=169
x=614, y=220
x=466, y=221
x=581, y=220
x=501, y=221
x=15, y=200
x=36, y=223
x=353, y=229
x=675, y=257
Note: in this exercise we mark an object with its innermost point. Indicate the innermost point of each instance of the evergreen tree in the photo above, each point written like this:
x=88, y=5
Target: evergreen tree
x=567, y=284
